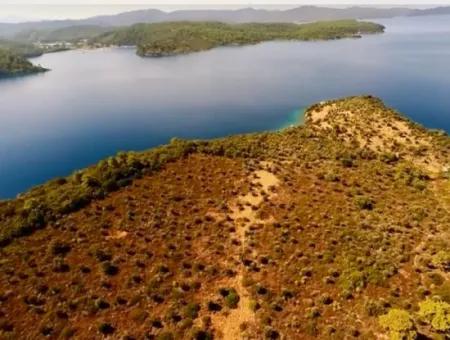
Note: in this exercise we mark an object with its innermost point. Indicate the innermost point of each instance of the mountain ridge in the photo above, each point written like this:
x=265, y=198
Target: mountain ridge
x=299, y=14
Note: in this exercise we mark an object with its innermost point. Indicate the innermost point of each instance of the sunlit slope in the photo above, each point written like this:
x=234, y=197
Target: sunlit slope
x=338, y=228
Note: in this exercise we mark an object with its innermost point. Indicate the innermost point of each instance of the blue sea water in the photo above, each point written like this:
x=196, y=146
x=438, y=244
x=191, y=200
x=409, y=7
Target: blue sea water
x=96, y=103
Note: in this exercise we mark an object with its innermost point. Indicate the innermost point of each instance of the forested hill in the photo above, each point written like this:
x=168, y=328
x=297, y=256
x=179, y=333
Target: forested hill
x=183, y=37
x=23, y=49
x=12, y=64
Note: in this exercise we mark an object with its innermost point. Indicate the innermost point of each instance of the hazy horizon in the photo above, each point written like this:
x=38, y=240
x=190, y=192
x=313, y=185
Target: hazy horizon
x=21, y=11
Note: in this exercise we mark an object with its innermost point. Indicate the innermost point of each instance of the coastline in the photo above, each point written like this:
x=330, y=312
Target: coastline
x=294, y=118
x=109, y=175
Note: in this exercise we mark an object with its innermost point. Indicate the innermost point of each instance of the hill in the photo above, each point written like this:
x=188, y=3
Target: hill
x=299, y=14
x=23, y=49
x=65, y=34
x=12, y=64
x=245, y=15
x=184, y=37
x=335, y=229
x=443, y=10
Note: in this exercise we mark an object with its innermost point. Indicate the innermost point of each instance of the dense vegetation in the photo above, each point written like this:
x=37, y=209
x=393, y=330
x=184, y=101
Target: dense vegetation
x=12, y=64
x=335, y=229
x=183, y=37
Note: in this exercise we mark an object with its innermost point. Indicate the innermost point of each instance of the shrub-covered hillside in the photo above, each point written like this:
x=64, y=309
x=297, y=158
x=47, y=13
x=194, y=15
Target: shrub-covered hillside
x=172, y=38
x=336, y=229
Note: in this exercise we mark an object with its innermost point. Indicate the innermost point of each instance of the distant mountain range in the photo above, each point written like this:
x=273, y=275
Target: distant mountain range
x=299, y=14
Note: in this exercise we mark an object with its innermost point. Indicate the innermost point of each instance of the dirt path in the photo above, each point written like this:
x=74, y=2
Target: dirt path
x=244, y=214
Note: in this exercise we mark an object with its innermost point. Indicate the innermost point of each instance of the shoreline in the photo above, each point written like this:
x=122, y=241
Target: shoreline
x=294, y=119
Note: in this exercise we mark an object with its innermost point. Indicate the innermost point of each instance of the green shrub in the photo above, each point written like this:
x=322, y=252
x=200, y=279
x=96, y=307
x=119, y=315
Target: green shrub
x=254, y=305
x=67, y=333
x=435, y=313
x=191, y=310
x=106, y=328
x=103, y=255
x=326, y=299
x=389, y=157
x=332, y=177
x=443, y=292
x=200, y=334
x=138, y=315
x=59, y=248
x=109, y=268
x=374, y=308
x=232, y=300
x=436, y=278
x=347, y=162
x=399, y=324
x=365, y=203
x=353, y=279
x=441, y=260
x=59, y=266
x=231, y=297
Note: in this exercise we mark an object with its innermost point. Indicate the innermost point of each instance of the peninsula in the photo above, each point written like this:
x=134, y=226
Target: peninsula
x=172, y=38
x=12, y=64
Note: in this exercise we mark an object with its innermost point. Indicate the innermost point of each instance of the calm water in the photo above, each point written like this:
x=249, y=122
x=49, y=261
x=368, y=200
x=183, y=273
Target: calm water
x=93, y=104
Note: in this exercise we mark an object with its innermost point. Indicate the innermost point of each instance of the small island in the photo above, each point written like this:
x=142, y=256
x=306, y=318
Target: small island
x=12, y=64
x=174, y=38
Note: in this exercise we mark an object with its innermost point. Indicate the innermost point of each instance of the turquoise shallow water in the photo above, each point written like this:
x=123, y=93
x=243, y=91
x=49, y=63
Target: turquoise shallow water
x=295, y=117
x=96, y=103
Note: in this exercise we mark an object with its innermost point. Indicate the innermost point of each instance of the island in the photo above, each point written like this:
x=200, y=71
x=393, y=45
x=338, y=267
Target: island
x=338, y=228
x=13, y=64
x=173, y=38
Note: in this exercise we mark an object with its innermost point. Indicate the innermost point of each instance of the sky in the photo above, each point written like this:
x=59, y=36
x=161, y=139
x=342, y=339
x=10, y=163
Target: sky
x=210, y=2
x=26, y=10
